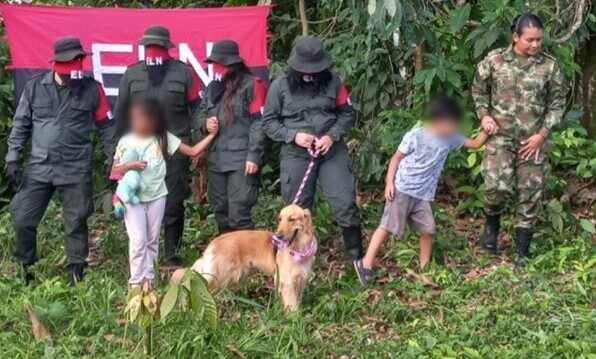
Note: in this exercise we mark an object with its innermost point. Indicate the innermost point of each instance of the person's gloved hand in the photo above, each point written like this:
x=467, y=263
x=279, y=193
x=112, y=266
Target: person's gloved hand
x=13, y=171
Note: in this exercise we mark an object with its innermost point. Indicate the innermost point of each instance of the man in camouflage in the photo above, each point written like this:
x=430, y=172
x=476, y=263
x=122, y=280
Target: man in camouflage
x=519, y=99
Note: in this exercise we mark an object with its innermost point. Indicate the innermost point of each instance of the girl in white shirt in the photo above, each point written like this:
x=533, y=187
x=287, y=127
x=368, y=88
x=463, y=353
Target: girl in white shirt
x=149, y=137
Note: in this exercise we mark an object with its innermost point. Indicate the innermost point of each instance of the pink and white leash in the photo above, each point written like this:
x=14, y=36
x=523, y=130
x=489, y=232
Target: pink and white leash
x=282, y=244
x=314, y=153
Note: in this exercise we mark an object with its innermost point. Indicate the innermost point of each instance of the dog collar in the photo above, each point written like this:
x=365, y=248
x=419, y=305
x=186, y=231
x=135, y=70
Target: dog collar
x=298, y=256
x=307, y=253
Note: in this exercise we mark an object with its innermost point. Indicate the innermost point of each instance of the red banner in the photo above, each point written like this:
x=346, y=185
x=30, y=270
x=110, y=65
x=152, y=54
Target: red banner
x=112, y=35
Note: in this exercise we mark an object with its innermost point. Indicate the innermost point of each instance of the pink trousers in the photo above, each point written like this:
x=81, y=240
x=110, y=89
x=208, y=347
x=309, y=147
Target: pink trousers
x=143, y=224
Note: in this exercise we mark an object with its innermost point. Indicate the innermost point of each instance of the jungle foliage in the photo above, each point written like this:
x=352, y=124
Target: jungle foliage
x=394, y=55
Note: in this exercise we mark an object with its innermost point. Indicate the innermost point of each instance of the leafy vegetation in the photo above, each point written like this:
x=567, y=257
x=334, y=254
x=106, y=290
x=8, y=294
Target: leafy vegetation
x=394, y=55
x=464, y=305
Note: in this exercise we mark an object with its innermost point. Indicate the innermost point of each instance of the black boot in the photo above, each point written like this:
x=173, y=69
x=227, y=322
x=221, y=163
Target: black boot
x=173, y=237
x=75, y=273
x=523, y=236
x=353, y=241
x=25, y=275
x=223, y=230
x=488, y=238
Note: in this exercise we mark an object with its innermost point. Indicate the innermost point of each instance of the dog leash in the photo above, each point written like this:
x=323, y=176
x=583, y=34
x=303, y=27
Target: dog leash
x=280, y=243
x=314, y=154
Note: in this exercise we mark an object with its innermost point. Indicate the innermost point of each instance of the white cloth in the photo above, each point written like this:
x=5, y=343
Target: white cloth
x=143, y=224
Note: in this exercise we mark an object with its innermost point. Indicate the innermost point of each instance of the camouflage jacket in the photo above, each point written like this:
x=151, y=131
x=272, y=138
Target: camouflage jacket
x=523, y=96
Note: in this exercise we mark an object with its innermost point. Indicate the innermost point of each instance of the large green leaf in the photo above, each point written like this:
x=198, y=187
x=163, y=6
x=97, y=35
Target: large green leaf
x=199, y=286
x=169, y=300
x=458, y=17
x=587, y=226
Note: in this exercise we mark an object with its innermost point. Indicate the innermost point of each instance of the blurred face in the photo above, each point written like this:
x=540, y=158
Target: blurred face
x=444, y=127
x=529, y=43
x=140, y=123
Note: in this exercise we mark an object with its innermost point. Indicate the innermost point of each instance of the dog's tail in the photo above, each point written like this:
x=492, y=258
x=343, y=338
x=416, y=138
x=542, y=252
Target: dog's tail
x=206, y=266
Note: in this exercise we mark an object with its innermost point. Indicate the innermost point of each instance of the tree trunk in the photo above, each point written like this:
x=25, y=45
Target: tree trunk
x=419, y=57
x=303, y=19
x=588, y=86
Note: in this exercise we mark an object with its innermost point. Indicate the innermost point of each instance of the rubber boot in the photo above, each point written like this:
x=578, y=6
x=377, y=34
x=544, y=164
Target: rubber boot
x=173, y=237
x=488, y=238
x=75, y=273
x=523, y=237
x=223, y=230
x=26, y=276
x=353, y=242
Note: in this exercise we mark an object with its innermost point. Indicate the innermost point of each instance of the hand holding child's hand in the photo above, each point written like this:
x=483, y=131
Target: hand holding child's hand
x=389, y=192
x=136, y=165
x=489, y=125
x=212, y=125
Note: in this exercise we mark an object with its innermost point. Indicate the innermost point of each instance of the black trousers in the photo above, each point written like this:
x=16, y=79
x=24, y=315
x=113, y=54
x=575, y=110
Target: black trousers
x=334, y=176
x=30, y=203
x=177, y=177
x=233, y=195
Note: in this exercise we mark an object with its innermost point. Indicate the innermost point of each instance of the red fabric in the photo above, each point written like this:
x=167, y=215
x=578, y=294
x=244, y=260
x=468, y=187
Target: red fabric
x=103, y=111
x=219, y=71
x=195, y=87
x=259, y=95
x=66, y=68
x=343, y=96
x=156, y=54
x=32, y=30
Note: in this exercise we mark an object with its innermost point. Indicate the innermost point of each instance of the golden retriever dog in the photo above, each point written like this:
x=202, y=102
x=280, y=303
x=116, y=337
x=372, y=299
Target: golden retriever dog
x=288, y=255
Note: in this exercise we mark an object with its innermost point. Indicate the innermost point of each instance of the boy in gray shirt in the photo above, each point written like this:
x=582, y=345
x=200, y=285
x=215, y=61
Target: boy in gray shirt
x=412, y=178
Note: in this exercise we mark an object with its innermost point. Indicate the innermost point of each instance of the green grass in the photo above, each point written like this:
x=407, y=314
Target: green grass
x=481, y=307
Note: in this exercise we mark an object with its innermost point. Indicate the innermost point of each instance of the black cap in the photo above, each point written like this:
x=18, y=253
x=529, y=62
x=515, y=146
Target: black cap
x=68, y=48
x=157, y=35
x=309, y=56
x=225, y=52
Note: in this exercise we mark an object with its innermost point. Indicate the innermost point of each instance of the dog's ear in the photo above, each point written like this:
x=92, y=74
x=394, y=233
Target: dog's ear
x=307, y=215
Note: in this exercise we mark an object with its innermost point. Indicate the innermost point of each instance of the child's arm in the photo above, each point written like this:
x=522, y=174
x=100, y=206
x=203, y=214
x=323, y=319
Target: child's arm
x=193, y=151
x=477, y=142
x=390, y=177
x=127, y=166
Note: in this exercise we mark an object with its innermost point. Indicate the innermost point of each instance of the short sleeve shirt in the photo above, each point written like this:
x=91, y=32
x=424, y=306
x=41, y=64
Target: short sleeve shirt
x=149, y=150
x=425, y=155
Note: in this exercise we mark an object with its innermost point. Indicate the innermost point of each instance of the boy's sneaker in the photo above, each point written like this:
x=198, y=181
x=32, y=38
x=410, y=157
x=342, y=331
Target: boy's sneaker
x=364, y=274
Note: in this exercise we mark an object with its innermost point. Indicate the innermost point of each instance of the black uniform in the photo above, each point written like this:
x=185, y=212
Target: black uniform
x=240, y=139
x=327, y=113
x=59, y=124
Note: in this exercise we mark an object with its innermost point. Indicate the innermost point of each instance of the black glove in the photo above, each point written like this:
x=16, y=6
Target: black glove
x=13, y=171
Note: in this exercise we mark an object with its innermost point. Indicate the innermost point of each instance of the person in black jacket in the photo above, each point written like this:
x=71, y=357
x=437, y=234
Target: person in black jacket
x=232, y=103
x=310, y=107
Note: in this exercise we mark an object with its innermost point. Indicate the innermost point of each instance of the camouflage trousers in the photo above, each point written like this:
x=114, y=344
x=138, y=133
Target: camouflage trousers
x=508, y=177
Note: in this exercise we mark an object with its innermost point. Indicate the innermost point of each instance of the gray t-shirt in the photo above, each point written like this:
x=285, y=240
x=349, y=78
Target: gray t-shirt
x=425, y=154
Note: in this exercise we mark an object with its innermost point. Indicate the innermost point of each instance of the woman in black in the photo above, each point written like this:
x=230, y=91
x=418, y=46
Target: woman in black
x=232, y=102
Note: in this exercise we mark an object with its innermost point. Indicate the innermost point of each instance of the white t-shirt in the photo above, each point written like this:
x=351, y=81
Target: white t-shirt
x=149, y=150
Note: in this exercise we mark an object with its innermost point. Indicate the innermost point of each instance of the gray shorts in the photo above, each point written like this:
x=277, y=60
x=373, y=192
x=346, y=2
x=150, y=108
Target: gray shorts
x=407, y=209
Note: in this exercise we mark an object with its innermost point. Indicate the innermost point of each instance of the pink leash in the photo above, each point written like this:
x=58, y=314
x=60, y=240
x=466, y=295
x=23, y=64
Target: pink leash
x=314, y=153
x=281, y=244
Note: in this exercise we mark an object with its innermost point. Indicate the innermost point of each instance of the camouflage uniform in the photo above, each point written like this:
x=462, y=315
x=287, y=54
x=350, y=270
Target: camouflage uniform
x=525, y=97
